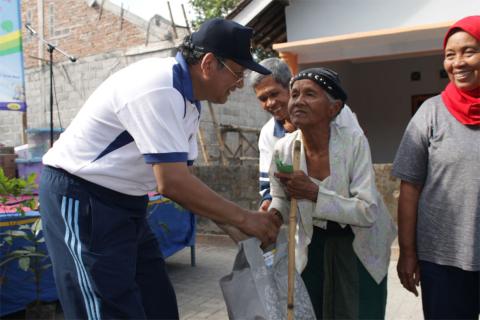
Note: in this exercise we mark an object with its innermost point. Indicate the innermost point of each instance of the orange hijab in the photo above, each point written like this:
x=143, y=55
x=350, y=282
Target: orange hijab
x=463, y=105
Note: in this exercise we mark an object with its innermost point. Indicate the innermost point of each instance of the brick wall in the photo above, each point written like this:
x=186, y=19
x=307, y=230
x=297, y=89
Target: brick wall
x=80, y=30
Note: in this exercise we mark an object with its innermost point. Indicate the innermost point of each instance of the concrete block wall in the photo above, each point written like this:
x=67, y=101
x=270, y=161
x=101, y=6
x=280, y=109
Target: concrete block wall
x=242, y=109
x=10, y=127
x=388, y=186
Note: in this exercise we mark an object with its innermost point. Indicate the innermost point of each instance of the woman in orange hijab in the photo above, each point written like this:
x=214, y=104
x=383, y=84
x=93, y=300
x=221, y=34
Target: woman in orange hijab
x=438, y=162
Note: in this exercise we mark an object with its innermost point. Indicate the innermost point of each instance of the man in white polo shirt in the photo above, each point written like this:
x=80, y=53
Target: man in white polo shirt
x=137, y=133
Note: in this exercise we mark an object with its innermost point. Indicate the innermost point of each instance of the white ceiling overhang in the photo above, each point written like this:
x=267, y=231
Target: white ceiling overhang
x=369, y=46
x=250, y=11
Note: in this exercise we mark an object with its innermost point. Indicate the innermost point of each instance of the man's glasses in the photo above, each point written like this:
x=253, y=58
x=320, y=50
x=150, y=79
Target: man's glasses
x=238, y=75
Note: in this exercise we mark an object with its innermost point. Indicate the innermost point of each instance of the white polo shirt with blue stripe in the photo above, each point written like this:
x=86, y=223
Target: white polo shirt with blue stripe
x=141, y=115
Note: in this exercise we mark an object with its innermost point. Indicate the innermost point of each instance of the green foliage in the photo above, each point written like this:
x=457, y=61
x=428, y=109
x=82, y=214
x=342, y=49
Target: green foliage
x=11, y=188
x=30, y=257
x=260, y=53
x=16, y=186
x=207, y=9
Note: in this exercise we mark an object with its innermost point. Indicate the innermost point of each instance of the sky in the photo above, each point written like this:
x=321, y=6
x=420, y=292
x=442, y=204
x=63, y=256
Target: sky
x=147, y=8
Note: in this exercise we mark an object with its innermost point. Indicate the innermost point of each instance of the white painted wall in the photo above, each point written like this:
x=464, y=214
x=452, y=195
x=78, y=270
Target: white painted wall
x=380, y=94
x=317, y=18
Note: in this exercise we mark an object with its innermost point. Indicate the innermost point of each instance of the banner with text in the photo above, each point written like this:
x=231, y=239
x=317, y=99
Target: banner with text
x=12, y=82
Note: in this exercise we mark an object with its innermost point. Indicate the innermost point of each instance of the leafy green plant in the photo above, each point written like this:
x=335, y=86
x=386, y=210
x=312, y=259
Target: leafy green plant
x=207, y=9
x=30, y=257
x=18, y=192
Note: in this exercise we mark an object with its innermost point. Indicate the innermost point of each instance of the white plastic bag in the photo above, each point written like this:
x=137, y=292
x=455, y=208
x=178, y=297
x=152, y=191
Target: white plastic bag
x=253, y=291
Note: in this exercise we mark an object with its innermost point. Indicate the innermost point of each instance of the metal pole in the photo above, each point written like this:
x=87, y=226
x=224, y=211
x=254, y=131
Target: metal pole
x=186, y=20
x=50, y=51
x=172, y=21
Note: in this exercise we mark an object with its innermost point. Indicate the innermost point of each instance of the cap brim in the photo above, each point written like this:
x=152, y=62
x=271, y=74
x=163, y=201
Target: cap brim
x=252, y=65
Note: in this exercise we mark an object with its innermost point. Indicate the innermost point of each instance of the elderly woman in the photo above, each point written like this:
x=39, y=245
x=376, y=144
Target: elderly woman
x=345, y=231
x=438, y=162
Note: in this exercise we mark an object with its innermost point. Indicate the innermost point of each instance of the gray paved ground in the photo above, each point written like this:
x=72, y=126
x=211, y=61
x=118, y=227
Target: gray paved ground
x=199, y=295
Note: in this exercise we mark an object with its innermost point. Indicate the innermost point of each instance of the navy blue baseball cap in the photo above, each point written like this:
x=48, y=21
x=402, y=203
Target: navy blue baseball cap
x=227, y=39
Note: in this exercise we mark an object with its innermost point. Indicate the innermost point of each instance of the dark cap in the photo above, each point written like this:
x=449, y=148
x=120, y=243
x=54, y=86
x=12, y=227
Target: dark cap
x=325, y=78
x=227, y=39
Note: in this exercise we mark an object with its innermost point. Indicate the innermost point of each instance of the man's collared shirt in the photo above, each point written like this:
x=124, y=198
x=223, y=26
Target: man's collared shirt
x=141, y=115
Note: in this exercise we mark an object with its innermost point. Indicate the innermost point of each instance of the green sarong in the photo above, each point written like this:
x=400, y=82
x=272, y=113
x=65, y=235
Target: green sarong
x=338, y=284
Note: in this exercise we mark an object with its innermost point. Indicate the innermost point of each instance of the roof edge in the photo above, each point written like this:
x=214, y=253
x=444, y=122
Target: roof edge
x=359, y=35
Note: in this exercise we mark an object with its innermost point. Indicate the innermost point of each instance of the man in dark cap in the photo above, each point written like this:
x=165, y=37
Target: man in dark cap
x=135, y=134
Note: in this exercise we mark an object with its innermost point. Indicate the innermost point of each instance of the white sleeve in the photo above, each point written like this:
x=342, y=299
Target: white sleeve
x=346, y=118
x=265, y=148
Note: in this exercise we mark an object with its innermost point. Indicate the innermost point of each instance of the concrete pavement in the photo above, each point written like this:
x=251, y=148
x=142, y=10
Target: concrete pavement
x=199, y=295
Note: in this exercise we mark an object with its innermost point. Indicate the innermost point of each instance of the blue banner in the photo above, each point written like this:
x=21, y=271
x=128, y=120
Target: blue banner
x=12, y=82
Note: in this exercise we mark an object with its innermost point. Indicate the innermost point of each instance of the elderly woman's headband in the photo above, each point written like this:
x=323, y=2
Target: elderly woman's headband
x=325, y=78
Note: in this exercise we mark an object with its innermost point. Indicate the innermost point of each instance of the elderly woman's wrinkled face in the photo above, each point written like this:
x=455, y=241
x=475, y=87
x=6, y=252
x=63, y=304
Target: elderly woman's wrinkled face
x=309, y=105
x=462, y=60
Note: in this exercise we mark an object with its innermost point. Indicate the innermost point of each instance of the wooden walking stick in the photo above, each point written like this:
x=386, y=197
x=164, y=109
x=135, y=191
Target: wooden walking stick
x=292, y=227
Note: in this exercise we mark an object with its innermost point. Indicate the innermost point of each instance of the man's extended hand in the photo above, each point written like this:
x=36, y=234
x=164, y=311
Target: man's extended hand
x=262, y=225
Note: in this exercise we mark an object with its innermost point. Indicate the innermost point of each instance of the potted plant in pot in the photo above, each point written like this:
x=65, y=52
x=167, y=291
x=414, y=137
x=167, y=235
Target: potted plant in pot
x=16, y=194
x=23, y=255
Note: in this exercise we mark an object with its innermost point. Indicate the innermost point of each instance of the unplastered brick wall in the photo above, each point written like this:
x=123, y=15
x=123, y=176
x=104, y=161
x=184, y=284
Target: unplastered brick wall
x=78, y=29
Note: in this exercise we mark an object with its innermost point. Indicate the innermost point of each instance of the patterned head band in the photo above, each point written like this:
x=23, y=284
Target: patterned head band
x=325, y=78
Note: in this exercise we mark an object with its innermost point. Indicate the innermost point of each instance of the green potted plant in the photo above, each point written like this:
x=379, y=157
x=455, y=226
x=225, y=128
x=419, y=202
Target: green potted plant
x=31, y=258
x=16, y=195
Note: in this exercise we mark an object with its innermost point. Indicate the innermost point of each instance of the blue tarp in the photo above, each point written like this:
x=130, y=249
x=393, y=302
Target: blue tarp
x=173, y=226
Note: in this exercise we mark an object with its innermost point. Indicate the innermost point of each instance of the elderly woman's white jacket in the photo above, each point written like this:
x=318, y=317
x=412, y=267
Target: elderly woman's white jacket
x=348, y=196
